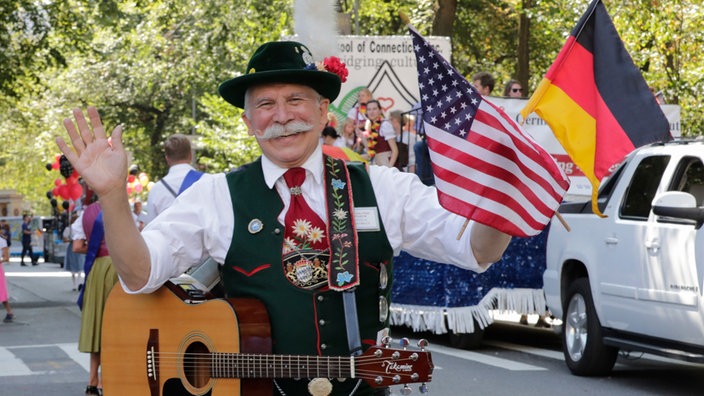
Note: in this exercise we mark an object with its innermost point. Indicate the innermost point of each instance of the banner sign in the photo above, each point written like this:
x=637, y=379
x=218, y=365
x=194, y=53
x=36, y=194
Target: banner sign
x=384, y=64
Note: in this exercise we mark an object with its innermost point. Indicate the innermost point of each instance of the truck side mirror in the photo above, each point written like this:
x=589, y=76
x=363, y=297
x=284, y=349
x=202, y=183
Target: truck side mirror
x=678, y=205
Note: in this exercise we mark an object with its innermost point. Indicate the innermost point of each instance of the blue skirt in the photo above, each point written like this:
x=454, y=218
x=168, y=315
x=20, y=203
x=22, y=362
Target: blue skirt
x=73, y=262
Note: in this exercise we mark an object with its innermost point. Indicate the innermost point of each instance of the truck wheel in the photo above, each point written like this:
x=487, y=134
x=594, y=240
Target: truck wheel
x=467, y=340
x=582, y=343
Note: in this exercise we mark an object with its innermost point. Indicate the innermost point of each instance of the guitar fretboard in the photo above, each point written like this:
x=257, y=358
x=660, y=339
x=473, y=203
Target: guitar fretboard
x=238, y=365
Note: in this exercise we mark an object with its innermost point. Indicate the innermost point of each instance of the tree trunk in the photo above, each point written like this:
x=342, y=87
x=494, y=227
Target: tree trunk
x=444, y=18
x=523, y=64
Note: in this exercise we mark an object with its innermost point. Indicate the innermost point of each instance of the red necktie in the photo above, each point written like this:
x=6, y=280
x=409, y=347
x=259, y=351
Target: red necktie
x=304, y=228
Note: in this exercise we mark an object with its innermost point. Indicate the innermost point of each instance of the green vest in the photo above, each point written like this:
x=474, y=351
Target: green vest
x=303, y=322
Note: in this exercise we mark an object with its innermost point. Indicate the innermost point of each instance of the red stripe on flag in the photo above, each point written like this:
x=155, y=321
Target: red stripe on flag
x=513, y=177
x=482, y=216
x=482, y=190
x=612, y=142
x=526, y=147
x=575, y=75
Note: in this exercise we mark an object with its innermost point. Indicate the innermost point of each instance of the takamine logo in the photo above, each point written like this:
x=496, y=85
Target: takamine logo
x=394, y=367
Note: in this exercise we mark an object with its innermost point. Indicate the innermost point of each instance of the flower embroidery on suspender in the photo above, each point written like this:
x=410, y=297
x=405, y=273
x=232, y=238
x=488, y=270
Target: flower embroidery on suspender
x=340, y=239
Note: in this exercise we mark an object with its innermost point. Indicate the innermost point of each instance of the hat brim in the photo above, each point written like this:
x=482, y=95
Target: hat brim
x=325, y=83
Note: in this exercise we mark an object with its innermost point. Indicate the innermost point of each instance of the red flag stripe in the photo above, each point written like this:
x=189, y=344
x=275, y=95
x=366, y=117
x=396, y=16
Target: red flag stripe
x=505, y=173
x=484, y=216
x=526, y=150
x=468, y=153
x=506, y=160
x=575, y=76
x=501, y=193
x=496, y=171
x=500, y=211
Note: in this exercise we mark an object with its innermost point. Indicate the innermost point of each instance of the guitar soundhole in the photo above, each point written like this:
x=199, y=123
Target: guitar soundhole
x=196, y=365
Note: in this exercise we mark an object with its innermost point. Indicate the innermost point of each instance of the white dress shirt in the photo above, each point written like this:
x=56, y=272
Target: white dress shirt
x=160, y=197
x=201, y=221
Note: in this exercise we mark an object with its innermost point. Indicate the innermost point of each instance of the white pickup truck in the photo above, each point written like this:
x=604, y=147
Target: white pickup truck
x=632, y=281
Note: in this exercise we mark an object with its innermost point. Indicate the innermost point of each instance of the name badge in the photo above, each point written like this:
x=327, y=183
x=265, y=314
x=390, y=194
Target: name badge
x=366, y=219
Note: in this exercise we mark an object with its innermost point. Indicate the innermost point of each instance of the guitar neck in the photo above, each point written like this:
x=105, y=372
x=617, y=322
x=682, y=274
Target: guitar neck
x=242, y=365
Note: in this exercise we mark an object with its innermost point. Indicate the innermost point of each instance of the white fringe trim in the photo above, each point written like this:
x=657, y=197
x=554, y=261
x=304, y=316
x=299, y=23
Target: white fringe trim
x=461, y=320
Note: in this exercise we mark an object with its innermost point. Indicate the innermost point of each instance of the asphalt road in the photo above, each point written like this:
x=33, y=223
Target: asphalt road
x=39, y=354
x=41, y=344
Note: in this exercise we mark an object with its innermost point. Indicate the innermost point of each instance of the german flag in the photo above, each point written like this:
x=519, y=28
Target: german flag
x=596, y=101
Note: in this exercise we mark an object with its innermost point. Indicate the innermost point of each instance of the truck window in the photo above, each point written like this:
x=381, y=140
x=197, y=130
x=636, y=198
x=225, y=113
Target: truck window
x=608, y=185
x=689, y=177
x=641, y=191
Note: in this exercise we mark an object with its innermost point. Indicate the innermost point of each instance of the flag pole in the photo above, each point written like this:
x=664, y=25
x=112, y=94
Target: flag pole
x=464, y=227
x=563, y=221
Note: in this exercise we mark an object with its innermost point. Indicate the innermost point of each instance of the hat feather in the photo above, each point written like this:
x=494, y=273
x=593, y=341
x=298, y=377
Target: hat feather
x=316, y=26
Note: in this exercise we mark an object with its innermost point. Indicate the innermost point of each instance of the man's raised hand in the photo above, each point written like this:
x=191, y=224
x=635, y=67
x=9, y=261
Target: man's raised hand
x=102, y=163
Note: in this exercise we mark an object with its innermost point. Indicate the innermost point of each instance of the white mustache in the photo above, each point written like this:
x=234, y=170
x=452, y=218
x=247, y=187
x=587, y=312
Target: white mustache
x=279, y=130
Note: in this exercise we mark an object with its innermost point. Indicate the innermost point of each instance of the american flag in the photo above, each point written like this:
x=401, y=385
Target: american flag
x=486, y=167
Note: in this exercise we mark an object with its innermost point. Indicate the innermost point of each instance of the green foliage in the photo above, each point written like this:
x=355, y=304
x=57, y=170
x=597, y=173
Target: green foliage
x=154, y=66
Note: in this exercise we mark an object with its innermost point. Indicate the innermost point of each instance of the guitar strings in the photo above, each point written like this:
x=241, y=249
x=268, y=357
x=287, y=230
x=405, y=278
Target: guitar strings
x=339, y=366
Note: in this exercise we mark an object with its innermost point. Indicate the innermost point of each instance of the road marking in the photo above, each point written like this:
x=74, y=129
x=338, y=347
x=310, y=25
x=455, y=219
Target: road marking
x=11, y=365
x=485, y=359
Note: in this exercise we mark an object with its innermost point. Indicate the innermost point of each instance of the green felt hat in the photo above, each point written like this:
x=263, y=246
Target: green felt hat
x=277, y=62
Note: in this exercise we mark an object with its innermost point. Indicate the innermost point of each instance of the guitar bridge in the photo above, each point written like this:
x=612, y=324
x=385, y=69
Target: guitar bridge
x=153, y=362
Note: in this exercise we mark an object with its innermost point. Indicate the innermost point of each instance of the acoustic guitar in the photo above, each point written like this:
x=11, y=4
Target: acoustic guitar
x=181, y=341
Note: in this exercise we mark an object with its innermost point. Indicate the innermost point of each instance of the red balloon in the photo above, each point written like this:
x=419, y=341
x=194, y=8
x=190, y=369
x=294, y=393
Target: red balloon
x=55, y=191
x=57, y=182
x=71, y=180
x=130, y=179
x=55, y=165
x=75, y=191
x=64, y=191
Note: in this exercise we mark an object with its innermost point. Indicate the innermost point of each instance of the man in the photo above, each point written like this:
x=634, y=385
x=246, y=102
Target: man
x=27, y=240
x=177, y=151
x=484, y=82
x=244, y=217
